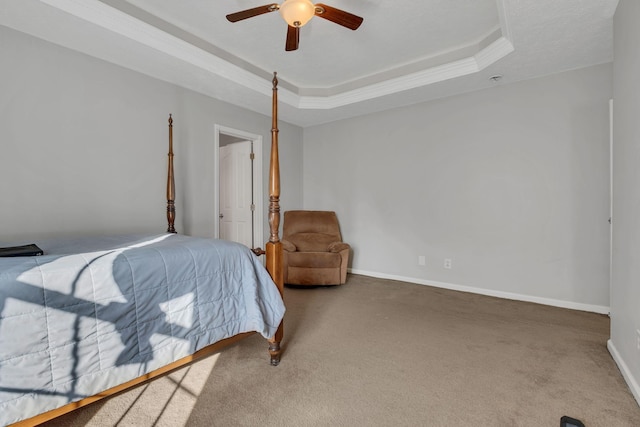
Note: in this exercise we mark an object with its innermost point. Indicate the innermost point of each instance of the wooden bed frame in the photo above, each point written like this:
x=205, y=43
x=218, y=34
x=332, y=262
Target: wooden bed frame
x=273, y=253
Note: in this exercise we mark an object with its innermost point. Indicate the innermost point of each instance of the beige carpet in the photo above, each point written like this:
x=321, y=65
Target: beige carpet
x=383, y=353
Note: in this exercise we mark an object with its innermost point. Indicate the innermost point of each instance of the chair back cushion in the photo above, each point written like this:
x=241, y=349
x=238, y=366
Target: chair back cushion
x=311, y=231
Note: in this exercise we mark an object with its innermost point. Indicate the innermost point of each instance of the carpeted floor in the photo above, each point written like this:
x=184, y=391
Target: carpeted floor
x=383, y=353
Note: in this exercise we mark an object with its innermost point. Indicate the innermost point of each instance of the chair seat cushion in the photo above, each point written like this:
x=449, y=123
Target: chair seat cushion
x=314, y=259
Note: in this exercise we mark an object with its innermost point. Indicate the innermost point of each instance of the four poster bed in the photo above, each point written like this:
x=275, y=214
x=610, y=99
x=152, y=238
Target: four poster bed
x=91, y=318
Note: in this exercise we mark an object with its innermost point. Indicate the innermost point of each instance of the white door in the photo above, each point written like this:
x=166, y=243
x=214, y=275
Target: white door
x=236, y=202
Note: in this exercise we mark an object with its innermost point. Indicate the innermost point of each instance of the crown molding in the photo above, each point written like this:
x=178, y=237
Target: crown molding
x=118, y=22
x=487, y=56
x=493, y=53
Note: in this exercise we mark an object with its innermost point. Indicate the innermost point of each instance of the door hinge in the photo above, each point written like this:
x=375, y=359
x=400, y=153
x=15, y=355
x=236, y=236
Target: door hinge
x=253, y=207
x=252, y=156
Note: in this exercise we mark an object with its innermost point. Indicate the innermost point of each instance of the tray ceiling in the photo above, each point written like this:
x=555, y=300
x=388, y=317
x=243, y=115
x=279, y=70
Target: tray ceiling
x=405, y=51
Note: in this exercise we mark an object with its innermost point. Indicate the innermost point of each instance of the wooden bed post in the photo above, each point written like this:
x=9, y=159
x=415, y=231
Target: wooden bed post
x=171, y=186
x=274, y=245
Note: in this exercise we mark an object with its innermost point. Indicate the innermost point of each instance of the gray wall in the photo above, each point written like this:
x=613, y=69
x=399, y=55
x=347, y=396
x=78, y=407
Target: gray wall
x=510, y=183
x=625, y=289
x=84, y=146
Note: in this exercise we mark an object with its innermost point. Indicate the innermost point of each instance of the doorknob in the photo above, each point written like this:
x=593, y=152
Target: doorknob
x=220, y=216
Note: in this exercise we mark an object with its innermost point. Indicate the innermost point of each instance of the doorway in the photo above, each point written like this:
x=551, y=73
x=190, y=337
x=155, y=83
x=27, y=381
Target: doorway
x=238, y=197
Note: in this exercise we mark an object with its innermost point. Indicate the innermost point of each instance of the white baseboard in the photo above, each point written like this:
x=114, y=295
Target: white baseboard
x=500, y=294
x=624, y=369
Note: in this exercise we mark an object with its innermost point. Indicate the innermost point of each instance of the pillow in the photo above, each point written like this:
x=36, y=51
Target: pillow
x=311, y=242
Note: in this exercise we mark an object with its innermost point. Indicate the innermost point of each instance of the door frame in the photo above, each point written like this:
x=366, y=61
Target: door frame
x=258, y=213
x=611, y=220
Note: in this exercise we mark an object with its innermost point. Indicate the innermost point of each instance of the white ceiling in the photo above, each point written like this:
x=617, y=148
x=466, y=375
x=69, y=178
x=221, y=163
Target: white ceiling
x=404, y=52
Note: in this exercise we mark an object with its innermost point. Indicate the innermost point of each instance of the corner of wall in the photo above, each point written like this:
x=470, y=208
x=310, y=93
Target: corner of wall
x=632, y=382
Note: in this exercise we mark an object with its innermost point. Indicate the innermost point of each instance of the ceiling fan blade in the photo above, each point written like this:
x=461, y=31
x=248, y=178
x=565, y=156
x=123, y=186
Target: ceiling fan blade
x=338, y=16
x=293, y=38
x=250, y=13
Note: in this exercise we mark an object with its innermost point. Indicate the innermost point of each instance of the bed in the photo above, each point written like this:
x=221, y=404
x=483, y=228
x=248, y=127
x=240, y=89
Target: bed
x=94, y=316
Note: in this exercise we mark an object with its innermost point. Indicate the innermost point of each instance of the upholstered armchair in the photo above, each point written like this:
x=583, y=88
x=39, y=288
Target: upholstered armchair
x=314, y=253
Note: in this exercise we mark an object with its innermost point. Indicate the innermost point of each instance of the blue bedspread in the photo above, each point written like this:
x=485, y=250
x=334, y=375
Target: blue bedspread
x=94, y=313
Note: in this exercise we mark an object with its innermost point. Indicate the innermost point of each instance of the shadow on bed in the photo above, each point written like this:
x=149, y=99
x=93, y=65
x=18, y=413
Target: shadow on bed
x=134, y=351
x=70, y=330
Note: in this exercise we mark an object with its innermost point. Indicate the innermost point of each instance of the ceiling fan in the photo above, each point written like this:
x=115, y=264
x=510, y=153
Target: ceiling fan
x=297, y=13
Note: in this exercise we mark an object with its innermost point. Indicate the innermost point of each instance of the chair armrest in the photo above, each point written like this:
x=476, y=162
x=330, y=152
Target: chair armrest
x=288, y=246
x=338, y=247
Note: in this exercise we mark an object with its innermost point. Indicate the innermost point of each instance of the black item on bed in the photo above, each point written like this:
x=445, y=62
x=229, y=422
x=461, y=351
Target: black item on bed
x=25, y=250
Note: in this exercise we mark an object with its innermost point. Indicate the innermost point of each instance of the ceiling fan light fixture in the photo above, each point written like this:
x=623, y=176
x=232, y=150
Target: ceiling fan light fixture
x=297, y=12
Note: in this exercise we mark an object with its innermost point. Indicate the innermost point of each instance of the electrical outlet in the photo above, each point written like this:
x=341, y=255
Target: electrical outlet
x=447, y=263
x=422, y=260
